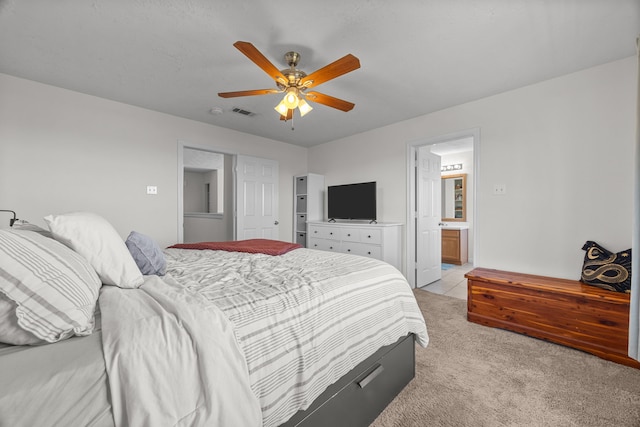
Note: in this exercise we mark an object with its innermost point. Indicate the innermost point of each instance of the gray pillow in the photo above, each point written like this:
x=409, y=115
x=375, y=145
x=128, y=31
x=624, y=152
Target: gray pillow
x=147, y=254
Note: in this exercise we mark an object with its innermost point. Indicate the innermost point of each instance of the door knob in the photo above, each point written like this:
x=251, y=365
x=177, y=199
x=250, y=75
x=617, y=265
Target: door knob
x=276, y=223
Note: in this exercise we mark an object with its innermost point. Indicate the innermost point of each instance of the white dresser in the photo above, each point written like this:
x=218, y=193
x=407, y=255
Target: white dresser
x=380, y=241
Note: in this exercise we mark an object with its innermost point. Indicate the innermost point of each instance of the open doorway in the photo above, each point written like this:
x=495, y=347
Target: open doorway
x=205, y=194
x=459, y=156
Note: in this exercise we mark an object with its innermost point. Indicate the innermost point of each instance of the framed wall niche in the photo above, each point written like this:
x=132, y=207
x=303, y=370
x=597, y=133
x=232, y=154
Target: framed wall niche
x=203, y=183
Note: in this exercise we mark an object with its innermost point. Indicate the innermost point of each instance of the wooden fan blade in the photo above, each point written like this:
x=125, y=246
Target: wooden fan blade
x=289, y=115
x=330, y=101
x=260, y=60
x=337, y=68
x=247, y=93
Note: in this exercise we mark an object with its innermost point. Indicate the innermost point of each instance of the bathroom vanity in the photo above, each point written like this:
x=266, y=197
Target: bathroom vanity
x=455, y=244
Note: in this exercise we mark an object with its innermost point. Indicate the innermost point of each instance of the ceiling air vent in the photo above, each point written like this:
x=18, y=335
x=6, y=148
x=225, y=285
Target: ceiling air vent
x=243, y=112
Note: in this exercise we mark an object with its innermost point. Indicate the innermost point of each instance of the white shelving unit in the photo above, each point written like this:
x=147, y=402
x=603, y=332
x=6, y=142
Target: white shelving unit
x=308, y=204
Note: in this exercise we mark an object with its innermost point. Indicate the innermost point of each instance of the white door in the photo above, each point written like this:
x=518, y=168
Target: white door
x=428, y=216
x=256, y=198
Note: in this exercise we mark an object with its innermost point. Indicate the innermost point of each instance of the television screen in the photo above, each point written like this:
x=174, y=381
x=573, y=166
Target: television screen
x=352, y=201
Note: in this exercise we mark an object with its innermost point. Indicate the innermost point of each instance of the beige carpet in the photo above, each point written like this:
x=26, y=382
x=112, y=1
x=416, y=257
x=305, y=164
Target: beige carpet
x=472, y=375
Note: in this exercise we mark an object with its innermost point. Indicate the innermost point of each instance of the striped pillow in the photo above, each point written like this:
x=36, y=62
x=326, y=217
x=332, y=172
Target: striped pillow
x=54, y=288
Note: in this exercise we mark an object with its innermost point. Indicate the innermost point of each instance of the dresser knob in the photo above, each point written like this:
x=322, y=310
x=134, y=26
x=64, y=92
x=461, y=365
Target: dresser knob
x=348, y=250
x=368, y=237
x=368, y=253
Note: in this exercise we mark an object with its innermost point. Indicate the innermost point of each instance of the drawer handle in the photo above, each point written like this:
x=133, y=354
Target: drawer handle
x=366, y=380
x=349, y=234
x=369, y=236
x=348, y=250
x=369, y=253
x=330, y=247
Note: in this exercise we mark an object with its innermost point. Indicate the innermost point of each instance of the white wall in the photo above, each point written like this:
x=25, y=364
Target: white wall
x=63, y=151
x=563, y=147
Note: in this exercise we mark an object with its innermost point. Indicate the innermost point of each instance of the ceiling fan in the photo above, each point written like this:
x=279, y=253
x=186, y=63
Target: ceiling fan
x=294, y=83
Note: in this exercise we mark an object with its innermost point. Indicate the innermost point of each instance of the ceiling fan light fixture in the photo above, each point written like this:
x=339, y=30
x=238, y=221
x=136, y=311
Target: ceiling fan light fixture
x=291, y=99
x=304, y=107
x=281, y=108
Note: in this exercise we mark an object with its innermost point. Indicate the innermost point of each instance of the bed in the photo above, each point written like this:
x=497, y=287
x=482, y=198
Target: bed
x=221, y=337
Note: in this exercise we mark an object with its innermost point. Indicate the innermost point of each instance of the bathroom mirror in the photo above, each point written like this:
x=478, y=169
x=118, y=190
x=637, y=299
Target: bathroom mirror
x=454, y=197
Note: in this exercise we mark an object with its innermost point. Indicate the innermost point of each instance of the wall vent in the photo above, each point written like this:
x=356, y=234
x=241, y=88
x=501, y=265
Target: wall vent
x=243, y=112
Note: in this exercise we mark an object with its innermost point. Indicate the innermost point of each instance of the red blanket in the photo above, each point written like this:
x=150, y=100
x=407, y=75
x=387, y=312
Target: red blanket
x=253, y=246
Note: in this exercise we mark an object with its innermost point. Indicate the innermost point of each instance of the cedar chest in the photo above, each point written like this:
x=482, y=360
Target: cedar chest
x=562, y=311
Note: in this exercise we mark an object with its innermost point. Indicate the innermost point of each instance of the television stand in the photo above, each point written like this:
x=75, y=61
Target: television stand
x=380, y=240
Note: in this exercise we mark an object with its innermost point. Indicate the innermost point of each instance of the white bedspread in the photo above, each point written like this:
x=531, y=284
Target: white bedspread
x=165, y=368
x=302, y=319
x=247, y=339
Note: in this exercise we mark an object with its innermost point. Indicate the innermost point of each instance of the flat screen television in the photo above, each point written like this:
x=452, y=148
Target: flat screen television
x=352, y=201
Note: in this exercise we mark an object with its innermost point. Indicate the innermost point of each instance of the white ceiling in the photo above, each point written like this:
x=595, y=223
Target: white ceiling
x=417, y=56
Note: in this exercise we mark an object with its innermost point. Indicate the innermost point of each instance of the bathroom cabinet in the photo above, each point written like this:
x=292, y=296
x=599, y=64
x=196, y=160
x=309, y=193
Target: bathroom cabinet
x=455, y=247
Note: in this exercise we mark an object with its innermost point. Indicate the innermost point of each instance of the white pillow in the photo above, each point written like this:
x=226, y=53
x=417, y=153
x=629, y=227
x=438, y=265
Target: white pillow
x=48, y=289
x=94, y=238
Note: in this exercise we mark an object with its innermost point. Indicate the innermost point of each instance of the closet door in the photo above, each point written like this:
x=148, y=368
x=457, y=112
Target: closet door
x=256, y=198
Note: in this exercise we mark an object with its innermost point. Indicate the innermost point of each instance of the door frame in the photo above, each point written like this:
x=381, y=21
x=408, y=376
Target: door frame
x=411, y=148
x=181, y=146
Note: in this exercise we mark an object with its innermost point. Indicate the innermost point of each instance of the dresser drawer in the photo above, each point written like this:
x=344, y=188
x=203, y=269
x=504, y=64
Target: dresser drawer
x=366, y=235
x=324, y=244
x=325, y=232
x=350, y=235
x=366, y=390
x=371, y=251
x=371, y=235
